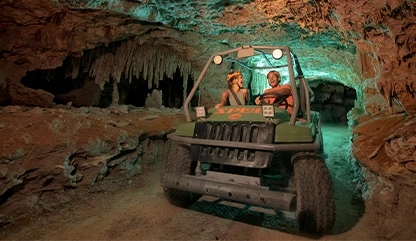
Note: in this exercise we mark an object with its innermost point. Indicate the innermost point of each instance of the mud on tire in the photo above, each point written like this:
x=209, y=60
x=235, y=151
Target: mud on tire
x=315, y=208
x=179, y=162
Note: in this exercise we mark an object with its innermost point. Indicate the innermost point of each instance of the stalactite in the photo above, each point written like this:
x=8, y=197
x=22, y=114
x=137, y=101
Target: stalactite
x=160, y=74
x=73, y=68
x=129, y=58
x=120, y=60
x=149, y=62
x=150, y=73
x=130, y=71
x=142, y=61
x=135, y=64
x=101, y=69
x=145, y=72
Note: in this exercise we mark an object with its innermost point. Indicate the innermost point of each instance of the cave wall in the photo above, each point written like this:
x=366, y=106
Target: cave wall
x=366, y=45
x=51, y=156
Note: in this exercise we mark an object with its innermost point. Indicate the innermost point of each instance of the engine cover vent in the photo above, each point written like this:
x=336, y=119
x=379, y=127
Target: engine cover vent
x=236, y=132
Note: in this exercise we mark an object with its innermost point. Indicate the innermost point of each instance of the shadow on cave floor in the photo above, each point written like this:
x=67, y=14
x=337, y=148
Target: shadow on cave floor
x=349, y=210
x=263, y=217
x=350, y=207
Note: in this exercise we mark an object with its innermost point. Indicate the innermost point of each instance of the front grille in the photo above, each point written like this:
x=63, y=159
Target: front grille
x=236, y=132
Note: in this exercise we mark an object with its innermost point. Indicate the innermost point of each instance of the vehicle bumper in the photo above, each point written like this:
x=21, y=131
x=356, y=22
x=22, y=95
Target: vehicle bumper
x=250, y=194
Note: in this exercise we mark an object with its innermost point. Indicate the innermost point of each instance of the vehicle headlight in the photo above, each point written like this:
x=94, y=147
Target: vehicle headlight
x=277, y=53
x=267, y=111
x=201, y=111
x=218, y=59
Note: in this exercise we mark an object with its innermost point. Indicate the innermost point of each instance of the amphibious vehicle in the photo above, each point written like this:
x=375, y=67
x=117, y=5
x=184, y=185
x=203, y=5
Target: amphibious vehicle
x=257, y=155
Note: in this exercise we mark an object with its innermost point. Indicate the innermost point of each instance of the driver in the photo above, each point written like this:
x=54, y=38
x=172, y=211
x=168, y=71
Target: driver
x=274, y=81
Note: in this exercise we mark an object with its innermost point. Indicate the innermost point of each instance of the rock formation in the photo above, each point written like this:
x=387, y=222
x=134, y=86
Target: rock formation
x=368, y=46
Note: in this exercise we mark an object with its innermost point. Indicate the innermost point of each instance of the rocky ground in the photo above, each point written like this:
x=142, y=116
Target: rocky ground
x=136, y=209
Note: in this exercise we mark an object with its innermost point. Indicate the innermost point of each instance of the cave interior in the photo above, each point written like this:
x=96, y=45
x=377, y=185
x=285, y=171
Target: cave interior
x=72, y=58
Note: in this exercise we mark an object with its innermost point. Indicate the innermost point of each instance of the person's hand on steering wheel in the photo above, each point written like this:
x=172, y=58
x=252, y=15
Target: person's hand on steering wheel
x=281, y=99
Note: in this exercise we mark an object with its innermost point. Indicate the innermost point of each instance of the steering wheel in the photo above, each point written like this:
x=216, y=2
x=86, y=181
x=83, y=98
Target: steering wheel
x=282, y=99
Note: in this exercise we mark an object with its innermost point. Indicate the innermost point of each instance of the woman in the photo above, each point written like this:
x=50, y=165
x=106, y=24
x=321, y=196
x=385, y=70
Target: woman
x=236, y=94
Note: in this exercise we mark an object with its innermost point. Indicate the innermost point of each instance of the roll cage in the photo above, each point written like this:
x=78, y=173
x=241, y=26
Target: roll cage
x=245, y=56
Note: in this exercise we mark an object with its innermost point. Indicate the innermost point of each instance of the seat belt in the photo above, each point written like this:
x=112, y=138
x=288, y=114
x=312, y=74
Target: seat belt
x=235, y=96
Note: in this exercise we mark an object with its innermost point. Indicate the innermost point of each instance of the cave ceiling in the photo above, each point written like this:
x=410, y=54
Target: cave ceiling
x=237, y=23
x=348, y=42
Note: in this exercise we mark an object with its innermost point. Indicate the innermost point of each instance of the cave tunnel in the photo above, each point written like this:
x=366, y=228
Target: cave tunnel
x=361, y=54
x=333, y=101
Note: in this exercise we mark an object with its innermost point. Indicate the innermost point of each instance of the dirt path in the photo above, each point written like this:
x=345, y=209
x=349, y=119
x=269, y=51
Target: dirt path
x=140, y=212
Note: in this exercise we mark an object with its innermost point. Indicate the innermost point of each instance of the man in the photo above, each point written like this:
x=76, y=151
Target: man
x=274, y=81
x=235, y=84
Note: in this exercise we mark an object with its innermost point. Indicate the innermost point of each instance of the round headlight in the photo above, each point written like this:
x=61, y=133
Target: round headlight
x=277, y=53
x=218, y=59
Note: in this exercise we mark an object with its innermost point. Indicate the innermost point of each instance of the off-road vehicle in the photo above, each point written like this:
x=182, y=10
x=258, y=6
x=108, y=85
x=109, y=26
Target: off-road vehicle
x=257, y=155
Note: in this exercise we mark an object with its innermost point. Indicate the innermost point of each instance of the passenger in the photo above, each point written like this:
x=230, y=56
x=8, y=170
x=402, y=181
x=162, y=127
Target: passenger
x=285, y=90
x=236, y=94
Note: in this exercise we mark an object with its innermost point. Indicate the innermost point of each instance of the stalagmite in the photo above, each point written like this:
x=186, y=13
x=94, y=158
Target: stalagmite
x=115, y=95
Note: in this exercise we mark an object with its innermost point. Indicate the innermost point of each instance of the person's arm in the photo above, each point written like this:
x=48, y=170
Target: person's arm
x=223, y=100
x=286, y=90
x=266, y=99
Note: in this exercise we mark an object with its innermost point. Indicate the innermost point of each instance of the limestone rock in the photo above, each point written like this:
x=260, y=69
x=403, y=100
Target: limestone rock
x=21, y=95
x=88, y=95
x=154, y=100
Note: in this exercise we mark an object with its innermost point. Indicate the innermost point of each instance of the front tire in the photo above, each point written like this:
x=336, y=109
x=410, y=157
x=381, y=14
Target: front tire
x=315, y=208
x=179, y=162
